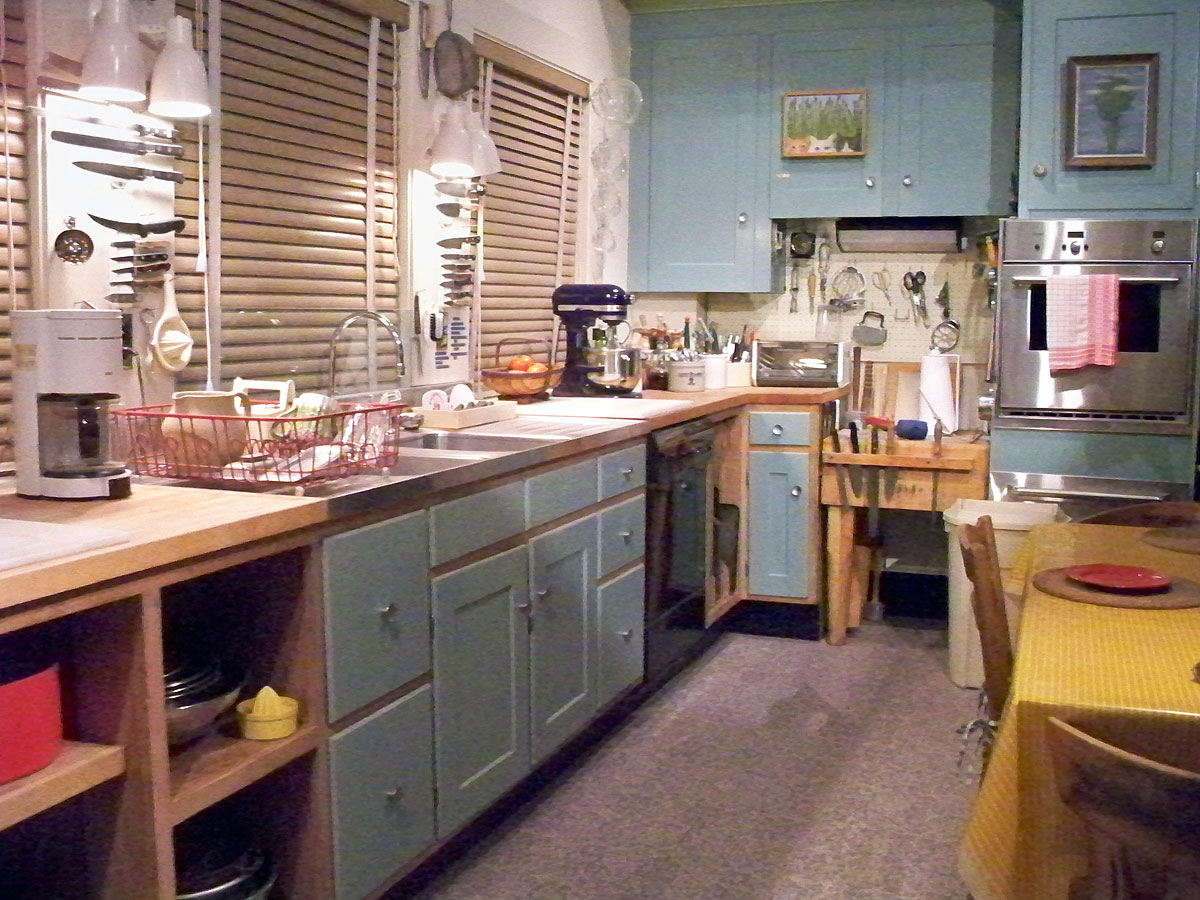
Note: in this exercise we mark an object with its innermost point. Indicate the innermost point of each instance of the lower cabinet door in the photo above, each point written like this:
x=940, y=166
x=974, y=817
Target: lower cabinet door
x=480, y=683
x=562, y=653
x=620, y=615
x=779, y=523
x=382, y=769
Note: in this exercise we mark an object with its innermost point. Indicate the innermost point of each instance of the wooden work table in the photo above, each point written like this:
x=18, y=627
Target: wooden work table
x=907, y=475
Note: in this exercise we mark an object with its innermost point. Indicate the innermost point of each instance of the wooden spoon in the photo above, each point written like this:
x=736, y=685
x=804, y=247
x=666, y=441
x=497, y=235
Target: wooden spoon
x=171, y=341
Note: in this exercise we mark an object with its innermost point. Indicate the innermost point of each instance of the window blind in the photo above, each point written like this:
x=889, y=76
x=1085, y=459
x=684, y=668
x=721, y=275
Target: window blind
x=530, y=211
x=14, y=244
x=308, y=194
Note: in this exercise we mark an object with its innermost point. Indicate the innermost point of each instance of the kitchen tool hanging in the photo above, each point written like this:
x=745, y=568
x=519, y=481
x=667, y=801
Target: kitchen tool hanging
x=171, y=341
x=457, y=243
x=914, y=283
x=882, y=281
x=73, y=245
x=945, y=334
x=802, y=244
x=467, y=189
x=848, y=288
x=130, y=173
x=872, y=333
x=141, y=229
x=822, y=266
x=455, y=64
x=141, y=148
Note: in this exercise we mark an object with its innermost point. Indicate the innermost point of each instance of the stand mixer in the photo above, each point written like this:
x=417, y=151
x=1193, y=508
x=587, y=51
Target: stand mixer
x=595, y=371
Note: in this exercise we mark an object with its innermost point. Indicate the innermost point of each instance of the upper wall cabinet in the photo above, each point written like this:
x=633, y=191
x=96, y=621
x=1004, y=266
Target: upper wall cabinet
x=941, y=113
x=698, y=187
x=1055, y=31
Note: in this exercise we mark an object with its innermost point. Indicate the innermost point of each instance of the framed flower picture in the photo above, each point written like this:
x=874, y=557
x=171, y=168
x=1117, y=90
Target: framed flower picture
x=1111, y=111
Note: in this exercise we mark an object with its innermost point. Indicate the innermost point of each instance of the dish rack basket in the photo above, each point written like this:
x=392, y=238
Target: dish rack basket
x=257, y=449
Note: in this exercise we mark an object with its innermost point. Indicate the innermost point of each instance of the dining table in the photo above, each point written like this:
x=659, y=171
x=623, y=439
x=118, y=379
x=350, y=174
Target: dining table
x=1128, y=673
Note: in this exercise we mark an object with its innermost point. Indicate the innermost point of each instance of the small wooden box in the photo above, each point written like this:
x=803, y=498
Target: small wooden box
x=451, y=419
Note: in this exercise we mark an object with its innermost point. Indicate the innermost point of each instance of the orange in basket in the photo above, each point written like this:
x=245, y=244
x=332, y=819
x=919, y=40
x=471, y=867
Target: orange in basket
x=524, y=387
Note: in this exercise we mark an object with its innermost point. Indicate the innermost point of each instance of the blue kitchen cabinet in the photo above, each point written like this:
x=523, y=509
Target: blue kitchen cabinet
x=481, y=684
x=562, y=649
x=698, y=218
x=381, y=770
x=1058, y=29
x=620, y=618
x=780, y=512
x=376, y=584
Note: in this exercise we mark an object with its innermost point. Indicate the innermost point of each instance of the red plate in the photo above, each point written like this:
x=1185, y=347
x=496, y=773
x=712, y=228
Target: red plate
x=1118, y=578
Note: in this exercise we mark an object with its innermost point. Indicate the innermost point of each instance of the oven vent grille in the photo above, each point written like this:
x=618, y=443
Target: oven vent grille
x=1093, y=416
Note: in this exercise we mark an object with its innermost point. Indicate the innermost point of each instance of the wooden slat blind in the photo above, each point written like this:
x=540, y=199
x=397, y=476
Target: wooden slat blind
x=295, y=143
x=14, y=242
x=530, y=211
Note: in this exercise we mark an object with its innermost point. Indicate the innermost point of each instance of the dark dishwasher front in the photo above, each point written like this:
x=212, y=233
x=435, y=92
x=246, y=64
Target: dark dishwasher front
x=678, y=501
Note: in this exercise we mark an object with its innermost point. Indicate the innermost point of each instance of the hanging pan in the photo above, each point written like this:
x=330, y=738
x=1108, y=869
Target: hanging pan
x=455, y=65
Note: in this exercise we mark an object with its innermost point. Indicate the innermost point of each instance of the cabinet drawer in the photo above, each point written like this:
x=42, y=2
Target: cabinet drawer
x=376, y=610
x=469, y=523
x=622, y=534
x=783, y=429
x=554, y=494
x=620, y=616
x=382, y=772
x=622, y=470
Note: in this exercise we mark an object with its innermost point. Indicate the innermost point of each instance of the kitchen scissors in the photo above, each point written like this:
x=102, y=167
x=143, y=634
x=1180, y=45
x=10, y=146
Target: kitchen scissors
x=882, y=281
x=914, y=283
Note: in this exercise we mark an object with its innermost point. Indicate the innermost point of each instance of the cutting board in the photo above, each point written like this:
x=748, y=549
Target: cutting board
x=603, y=407
x=23, y=542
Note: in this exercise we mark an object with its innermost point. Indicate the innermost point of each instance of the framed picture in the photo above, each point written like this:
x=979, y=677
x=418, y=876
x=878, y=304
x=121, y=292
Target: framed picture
x=823, y=124
x=1111, y=111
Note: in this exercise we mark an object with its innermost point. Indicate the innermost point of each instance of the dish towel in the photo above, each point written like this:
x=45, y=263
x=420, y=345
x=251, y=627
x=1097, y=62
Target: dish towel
x=1081, y=320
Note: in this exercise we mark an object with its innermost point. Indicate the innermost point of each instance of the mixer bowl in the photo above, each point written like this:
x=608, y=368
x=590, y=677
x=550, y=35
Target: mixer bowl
x=617, y=369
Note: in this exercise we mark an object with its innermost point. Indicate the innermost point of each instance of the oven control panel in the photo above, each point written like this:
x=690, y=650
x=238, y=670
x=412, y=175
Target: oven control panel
x=1099, y=240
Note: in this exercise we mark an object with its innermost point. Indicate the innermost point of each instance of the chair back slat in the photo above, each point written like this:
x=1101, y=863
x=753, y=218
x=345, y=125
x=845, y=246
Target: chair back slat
x=980, y=559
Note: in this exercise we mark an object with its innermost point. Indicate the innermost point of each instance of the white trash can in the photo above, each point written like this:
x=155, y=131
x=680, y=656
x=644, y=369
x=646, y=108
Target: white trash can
x=1011, y=521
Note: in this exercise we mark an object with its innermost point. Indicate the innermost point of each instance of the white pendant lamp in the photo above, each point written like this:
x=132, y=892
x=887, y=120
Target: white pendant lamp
x=453, y=149
x=112, y=66
x=178, y=84
x=484, y=157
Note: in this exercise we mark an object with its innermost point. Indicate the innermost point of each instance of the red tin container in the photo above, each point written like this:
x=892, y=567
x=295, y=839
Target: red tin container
x=30, y=710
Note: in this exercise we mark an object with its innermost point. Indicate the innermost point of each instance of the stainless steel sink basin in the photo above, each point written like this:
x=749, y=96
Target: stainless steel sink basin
x=488, y=443
x=412, y=464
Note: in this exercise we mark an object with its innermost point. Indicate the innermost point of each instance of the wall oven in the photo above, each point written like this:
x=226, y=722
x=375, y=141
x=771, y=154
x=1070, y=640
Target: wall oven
x=1151, y=387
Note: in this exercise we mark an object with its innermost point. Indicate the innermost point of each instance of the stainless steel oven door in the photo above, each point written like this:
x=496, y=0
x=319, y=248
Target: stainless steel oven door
x=1150, y=389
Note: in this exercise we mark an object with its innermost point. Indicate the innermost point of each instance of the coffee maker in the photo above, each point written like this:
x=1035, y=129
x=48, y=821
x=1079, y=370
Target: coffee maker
x=595, y=371
x=66, y=366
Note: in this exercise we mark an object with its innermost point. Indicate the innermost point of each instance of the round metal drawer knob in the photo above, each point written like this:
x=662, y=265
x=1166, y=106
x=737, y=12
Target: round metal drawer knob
x=777, y=430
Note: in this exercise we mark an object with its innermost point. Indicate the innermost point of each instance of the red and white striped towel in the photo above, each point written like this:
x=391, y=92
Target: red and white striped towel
x=1081, y=320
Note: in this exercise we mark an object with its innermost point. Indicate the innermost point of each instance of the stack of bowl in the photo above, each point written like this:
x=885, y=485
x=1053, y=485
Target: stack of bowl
x=199, y=689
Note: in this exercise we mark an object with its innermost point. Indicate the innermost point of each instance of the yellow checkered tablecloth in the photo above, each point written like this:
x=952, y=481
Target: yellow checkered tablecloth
x=1073, y=659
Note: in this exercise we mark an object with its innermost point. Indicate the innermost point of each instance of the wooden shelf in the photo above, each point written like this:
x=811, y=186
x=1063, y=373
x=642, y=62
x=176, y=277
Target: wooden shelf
x=78, y=768
x=219, y=765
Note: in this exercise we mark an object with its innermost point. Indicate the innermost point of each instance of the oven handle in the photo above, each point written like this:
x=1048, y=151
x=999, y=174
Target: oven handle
x=1050, y=494
x=1132, y=279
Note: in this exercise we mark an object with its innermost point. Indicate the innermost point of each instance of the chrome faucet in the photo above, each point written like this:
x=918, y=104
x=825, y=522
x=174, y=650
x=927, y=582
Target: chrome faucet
x=346, y=323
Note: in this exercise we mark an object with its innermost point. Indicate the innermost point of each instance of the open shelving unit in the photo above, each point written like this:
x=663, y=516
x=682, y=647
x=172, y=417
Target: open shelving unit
x=79, y=768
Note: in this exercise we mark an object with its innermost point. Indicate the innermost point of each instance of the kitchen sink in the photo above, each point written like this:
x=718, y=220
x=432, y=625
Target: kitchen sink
x=408, y=465
x=489, y=443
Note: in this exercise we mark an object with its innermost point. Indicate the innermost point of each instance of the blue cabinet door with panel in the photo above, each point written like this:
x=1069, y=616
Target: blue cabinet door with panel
x=779, y=523
x=470, y=523
x=381, y=770
x=377, y=610
x=954, y=120
x=698, y=219
x=1056, y=30
x=620, y=618
x=481, y=684
x=562, y=652
x=850, y=59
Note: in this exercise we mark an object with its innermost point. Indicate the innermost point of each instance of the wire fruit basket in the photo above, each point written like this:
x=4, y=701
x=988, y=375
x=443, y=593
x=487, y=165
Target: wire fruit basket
x=257, y=449
x=515, y=384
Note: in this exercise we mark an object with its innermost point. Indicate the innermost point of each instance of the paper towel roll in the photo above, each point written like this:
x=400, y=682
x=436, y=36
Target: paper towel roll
x=939, y=396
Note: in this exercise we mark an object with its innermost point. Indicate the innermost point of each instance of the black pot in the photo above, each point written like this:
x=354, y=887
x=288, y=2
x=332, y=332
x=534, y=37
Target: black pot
x=220, y=861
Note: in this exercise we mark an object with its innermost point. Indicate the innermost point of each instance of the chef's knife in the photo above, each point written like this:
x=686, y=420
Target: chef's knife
x=143, y=270
x=130, y=173
x=141, y=229
x=143, y=258
x=102, y=143
x=142, y=246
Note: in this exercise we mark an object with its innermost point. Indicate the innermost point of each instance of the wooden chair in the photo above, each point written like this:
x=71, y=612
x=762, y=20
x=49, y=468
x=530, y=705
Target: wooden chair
x=1159, y=514
x=978, y=545
x=1142, y=817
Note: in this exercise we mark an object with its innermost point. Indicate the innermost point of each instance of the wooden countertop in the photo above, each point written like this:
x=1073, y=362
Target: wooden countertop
x=165, y=524
x=169, y=524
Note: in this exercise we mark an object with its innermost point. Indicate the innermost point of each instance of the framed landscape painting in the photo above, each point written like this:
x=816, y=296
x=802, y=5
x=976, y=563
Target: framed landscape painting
x=1110, y=115
x=822, y=124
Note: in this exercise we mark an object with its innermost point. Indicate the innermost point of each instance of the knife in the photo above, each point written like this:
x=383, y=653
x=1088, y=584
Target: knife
x=143, y=270
x=143, y=258
x=142, y=246
x=130, y=173
x=167, y=226
x=103, y=143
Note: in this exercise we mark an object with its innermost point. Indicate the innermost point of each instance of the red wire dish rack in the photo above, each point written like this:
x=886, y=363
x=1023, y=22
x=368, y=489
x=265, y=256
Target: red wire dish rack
x=263, y=450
